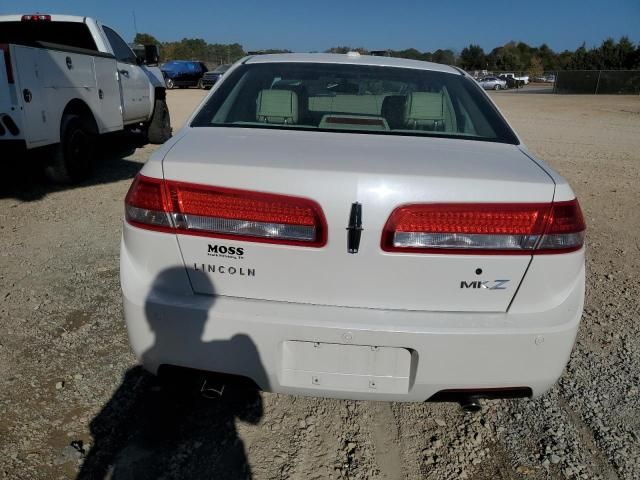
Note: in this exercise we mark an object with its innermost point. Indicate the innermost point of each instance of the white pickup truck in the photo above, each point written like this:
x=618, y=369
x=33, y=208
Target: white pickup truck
x=520, y=79
x=64, y=81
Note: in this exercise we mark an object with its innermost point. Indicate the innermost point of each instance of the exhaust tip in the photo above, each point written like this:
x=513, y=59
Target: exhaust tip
x=470, y=404
x=469, y=399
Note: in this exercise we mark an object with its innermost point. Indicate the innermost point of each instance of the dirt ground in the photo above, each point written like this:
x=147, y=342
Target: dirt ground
x=74, y=404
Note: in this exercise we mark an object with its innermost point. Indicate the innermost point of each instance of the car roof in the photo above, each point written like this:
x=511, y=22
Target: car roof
x=351, y=59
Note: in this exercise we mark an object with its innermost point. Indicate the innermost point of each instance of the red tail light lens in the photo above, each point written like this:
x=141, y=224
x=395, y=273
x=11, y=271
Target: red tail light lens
x=485, y=228
x=223, y=212
x=146, y=205
x=7, y=62
x=566, y=229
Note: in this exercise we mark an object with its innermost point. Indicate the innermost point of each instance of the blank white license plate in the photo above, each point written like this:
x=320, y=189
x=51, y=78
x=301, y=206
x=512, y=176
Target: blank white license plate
x=349, y=368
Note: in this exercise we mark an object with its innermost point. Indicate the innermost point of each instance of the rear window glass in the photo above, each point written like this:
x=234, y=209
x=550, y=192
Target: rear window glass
x=221, y=68
x=71, y=34
x=355, y=98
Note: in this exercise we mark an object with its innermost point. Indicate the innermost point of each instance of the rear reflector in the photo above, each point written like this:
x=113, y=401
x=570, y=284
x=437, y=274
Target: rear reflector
x=7, y=62
x=223, y=212
x=488, y=228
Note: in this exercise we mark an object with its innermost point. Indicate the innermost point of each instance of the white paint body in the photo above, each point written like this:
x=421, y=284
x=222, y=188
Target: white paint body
x=126, y=99
x=375, y=325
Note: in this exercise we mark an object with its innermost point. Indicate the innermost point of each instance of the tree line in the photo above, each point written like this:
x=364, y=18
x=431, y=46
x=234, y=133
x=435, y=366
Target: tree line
x=513, y=56
x=610, y=55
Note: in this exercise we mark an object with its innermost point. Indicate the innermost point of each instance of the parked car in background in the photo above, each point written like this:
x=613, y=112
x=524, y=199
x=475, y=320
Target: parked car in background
x=517, y=80
x=492, y=83
x=65, y=81
x=183, y=73
x=212, y=76
x=368, y=228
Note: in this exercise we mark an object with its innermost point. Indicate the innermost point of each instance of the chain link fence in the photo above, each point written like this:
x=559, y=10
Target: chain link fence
x=610, y=82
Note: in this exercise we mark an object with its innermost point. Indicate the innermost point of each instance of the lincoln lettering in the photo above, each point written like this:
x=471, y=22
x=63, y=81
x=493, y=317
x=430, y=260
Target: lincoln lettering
x=225, y=270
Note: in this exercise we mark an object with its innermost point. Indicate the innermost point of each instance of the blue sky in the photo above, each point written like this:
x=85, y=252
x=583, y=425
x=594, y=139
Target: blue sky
x=306, y=26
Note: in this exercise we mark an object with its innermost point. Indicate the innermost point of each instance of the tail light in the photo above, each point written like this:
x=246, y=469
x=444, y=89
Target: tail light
x=485, y=228
x=7, y=61
x=36, y=18
x=193, y=209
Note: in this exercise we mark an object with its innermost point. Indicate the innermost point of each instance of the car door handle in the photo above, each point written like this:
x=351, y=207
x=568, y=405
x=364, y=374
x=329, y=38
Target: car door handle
x=124, y=73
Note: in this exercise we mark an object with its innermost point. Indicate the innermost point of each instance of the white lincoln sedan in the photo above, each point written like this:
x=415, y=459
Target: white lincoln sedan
x=353, y=227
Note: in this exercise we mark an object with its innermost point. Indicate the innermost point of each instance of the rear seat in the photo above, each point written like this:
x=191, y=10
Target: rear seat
x=417, y=110
x=277, y=106
x=429, y=111
x=356, y=104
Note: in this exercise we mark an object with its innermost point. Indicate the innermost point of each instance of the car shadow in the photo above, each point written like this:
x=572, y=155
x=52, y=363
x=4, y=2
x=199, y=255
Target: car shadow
x=181, y=424
x=24, y=178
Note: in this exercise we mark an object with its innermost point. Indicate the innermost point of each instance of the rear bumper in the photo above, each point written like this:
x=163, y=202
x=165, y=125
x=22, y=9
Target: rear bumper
x=260, y=340
x=12, y=147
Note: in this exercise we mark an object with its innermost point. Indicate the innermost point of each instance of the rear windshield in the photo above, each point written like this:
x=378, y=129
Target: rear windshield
x=71, y=34
x=354, y=98
x=221, y=68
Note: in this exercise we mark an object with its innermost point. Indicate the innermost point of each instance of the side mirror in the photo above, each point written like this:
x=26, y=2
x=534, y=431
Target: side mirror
x=151, y=55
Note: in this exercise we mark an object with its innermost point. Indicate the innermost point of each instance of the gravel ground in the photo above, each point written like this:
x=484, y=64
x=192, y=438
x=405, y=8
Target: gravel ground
x=73, y=403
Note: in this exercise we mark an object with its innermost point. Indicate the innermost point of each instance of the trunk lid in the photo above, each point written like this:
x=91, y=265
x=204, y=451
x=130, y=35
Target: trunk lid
x=336, y=170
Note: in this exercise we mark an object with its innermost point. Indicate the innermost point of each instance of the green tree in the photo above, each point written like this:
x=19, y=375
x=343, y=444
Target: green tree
x=444, y=56
x=627, y=52
x=343, y=49
x=473, y=58
x=145, y=39
x=410, y=53
x=548, y=57
x=536, y=68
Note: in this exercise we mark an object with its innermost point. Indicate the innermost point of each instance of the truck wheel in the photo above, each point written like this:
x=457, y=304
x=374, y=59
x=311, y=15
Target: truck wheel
x=159, y=129
x=73, y=157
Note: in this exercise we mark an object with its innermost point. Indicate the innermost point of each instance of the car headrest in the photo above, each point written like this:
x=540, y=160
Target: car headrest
x=424, y=108
x=277, y=106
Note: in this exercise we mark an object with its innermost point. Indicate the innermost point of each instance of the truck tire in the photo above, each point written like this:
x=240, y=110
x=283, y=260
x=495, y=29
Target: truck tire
x=159, y=129
x=73, y=158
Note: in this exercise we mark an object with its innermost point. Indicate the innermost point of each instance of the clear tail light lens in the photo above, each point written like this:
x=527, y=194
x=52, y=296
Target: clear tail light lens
x=488, y=228
x=225, y=213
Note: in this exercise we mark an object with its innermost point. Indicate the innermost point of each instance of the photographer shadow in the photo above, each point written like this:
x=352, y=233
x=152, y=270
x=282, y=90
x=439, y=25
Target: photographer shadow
x=181, y=424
